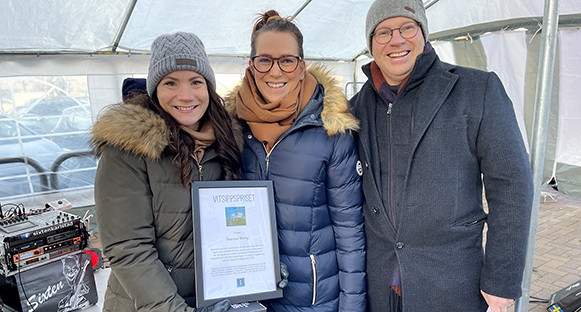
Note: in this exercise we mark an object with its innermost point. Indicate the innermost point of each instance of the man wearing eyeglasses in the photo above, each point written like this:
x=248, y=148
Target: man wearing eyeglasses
x=433, y=135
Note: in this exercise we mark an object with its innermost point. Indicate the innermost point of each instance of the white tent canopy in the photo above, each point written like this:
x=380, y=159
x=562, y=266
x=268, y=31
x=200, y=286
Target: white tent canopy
x=332, y=29
x=109, y=40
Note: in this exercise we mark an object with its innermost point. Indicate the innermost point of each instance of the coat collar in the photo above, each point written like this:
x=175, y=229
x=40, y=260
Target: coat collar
x=336, y=115
x=132, y=128
x=424, y=63
x=431, y=81
x=435, y=82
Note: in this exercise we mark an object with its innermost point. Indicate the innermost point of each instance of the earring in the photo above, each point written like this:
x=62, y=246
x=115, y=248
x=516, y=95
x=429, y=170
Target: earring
x=301, y=79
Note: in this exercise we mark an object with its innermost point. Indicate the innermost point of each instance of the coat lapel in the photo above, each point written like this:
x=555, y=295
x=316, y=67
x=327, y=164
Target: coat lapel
x=433, y=92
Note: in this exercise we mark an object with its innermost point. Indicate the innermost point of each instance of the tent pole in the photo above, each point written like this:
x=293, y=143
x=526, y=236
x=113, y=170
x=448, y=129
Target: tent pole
x=429, y=3
x=123, y=25
x=355, y=74
x=539, y=138
x=303, y=6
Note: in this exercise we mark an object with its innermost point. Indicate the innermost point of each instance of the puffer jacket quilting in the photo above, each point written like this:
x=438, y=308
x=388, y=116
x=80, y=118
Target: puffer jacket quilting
x=318, y=202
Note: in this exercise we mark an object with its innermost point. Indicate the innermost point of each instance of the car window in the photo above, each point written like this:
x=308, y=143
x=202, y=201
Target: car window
x=81, y=122
x=9, y=132
x=49, y=107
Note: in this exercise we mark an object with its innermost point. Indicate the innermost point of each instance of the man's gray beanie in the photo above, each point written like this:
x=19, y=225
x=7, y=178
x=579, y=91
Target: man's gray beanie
x=381, y=10
x=179, y=51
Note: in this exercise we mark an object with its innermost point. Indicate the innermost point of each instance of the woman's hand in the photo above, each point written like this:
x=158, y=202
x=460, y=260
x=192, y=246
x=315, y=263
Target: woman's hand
x=221, y=306
x=284, y=274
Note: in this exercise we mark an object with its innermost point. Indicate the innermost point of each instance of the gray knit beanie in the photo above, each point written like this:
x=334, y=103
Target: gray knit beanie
x=381, y=10
x=179, y=51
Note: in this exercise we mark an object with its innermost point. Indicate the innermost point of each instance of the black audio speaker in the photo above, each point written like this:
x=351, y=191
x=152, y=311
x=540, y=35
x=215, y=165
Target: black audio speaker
x=65, y=284
x=567, y=299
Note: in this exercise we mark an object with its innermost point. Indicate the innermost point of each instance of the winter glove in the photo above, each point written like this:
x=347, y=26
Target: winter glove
x=221, y=306
x=284, y=274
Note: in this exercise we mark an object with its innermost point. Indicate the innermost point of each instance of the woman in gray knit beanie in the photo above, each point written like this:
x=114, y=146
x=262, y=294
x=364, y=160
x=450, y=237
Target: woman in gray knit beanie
x=151, y=150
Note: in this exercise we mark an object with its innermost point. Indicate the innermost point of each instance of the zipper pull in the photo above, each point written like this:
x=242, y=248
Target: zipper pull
x=267, y=159
x=389, y=108
x=200, y=170
x=314, y=279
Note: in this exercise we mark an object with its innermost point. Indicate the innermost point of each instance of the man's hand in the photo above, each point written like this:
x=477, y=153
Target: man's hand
x=496, y=304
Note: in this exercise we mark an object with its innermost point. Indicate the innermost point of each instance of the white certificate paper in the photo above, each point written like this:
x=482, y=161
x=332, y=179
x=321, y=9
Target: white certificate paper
x=236, y=242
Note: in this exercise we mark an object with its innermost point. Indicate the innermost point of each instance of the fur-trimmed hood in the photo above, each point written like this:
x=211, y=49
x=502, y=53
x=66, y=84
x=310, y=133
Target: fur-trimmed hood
x=336, y=116
x=132, y=128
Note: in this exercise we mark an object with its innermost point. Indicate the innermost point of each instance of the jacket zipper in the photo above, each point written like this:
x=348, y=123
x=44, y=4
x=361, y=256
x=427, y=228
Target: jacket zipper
x=390, y=208
x=200, y=175
x=475, y=222
x=267, y=159
x=314, y=278
x=389, y=204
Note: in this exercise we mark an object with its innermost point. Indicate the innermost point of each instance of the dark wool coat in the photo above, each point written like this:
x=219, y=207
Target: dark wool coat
x=144, y=212
x=318, y=202
x=450, y=126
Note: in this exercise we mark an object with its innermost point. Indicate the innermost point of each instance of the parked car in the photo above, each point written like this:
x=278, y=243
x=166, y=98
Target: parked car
x=36, y=123
x=41, y=115
x=71, y=132
x=26, y=162
x=18, y=142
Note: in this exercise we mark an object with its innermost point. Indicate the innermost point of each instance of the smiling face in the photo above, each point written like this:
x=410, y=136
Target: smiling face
x=184, y=95
x=396, y=59
x=275, y=84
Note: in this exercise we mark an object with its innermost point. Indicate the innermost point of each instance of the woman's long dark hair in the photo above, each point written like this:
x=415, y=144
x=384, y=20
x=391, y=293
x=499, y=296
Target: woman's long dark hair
x=182, y=144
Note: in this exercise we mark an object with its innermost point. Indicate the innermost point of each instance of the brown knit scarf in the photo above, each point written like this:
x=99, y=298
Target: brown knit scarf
x=203, y=138
x=268, y=121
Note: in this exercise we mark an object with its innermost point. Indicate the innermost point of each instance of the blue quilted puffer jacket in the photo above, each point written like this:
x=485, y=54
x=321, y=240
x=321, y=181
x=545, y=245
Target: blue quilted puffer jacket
x=318, y=202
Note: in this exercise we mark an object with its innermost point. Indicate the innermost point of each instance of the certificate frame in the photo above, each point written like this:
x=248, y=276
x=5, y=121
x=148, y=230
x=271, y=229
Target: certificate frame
x=235, y=241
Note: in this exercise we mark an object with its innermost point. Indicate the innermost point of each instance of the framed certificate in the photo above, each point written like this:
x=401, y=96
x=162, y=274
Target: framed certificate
x=235, y=242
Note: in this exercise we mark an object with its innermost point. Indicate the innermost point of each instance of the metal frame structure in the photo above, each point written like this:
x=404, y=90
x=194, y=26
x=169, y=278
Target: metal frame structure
x=539, y=142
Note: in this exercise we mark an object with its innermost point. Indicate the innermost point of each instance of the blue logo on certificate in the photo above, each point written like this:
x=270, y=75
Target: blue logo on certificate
x=240, y=282
x=235, y=216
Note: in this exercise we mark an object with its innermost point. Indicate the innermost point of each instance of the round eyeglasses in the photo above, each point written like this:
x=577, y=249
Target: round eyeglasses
x=407, y=31
x=286, y=63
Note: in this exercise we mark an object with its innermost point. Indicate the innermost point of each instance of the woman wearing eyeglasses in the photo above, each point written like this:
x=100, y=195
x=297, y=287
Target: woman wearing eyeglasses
x=297, y=128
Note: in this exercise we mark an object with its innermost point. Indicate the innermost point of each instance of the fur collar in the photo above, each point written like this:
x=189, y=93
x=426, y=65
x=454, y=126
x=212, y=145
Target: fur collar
x=336, y=115
x=131, y=128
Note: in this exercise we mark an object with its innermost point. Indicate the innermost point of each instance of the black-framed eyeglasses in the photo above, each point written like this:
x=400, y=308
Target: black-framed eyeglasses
x=286, y=63
x=407, y=31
